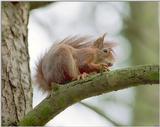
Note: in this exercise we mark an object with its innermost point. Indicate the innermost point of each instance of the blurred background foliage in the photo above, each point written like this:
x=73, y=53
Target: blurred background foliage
x=134, y=26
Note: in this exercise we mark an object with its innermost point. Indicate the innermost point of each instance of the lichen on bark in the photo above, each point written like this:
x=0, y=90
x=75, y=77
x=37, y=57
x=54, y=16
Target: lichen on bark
x=76, y=91
x=16, y=80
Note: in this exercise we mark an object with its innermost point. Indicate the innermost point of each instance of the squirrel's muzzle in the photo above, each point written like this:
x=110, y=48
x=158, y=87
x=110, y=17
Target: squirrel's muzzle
x=110, y=64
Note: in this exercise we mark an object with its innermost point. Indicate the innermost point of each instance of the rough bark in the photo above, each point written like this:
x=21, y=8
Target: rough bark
x=64, y=96
x=16, y=80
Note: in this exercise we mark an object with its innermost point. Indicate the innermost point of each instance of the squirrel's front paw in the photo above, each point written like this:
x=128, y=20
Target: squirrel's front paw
x=82, y=76
x=104, y=67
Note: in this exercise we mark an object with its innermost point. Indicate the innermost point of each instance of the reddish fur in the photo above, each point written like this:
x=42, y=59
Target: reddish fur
x=40, y=77
x=70, y=58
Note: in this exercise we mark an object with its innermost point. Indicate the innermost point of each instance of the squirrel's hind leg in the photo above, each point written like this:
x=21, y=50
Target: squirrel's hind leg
x=70, y=66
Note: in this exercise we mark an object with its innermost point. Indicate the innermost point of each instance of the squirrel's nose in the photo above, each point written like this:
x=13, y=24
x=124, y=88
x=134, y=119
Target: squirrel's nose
x=110, y=64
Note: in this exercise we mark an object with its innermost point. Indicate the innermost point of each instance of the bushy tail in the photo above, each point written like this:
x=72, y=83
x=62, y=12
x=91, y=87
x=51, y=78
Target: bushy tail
x=40, y=80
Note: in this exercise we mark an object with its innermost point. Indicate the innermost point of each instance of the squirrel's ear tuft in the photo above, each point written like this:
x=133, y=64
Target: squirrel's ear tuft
x=99, y=42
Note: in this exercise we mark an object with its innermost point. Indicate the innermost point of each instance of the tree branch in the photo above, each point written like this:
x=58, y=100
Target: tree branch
x=38, y=4
x=101, y=113
x=64, y=96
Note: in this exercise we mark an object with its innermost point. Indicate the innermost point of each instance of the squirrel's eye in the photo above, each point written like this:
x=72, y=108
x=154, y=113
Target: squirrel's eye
x=105, y=50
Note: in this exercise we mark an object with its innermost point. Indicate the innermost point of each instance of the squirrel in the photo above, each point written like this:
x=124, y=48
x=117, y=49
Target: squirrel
x=73, y=59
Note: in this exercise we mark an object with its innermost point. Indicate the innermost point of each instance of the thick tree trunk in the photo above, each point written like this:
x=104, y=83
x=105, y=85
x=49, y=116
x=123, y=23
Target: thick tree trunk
x=142, y=31
x=16, y=80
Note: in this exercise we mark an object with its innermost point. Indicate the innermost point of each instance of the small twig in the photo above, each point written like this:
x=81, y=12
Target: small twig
x=100, y=112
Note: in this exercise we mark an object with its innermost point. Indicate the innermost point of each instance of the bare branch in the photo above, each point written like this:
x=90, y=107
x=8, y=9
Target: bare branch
x=64, y=96
x=38, y=4
x=101, y=113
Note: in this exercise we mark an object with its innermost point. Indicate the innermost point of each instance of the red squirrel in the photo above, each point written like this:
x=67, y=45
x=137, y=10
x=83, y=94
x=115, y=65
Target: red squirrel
x=73, y=59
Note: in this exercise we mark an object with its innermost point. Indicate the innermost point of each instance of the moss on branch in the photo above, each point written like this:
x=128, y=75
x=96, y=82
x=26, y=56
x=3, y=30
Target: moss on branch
x=76, y=91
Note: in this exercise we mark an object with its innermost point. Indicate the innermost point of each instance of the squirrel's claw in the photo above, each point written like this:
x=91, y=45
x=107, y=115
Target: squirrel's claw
x=105, y=67
x=82, y=76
